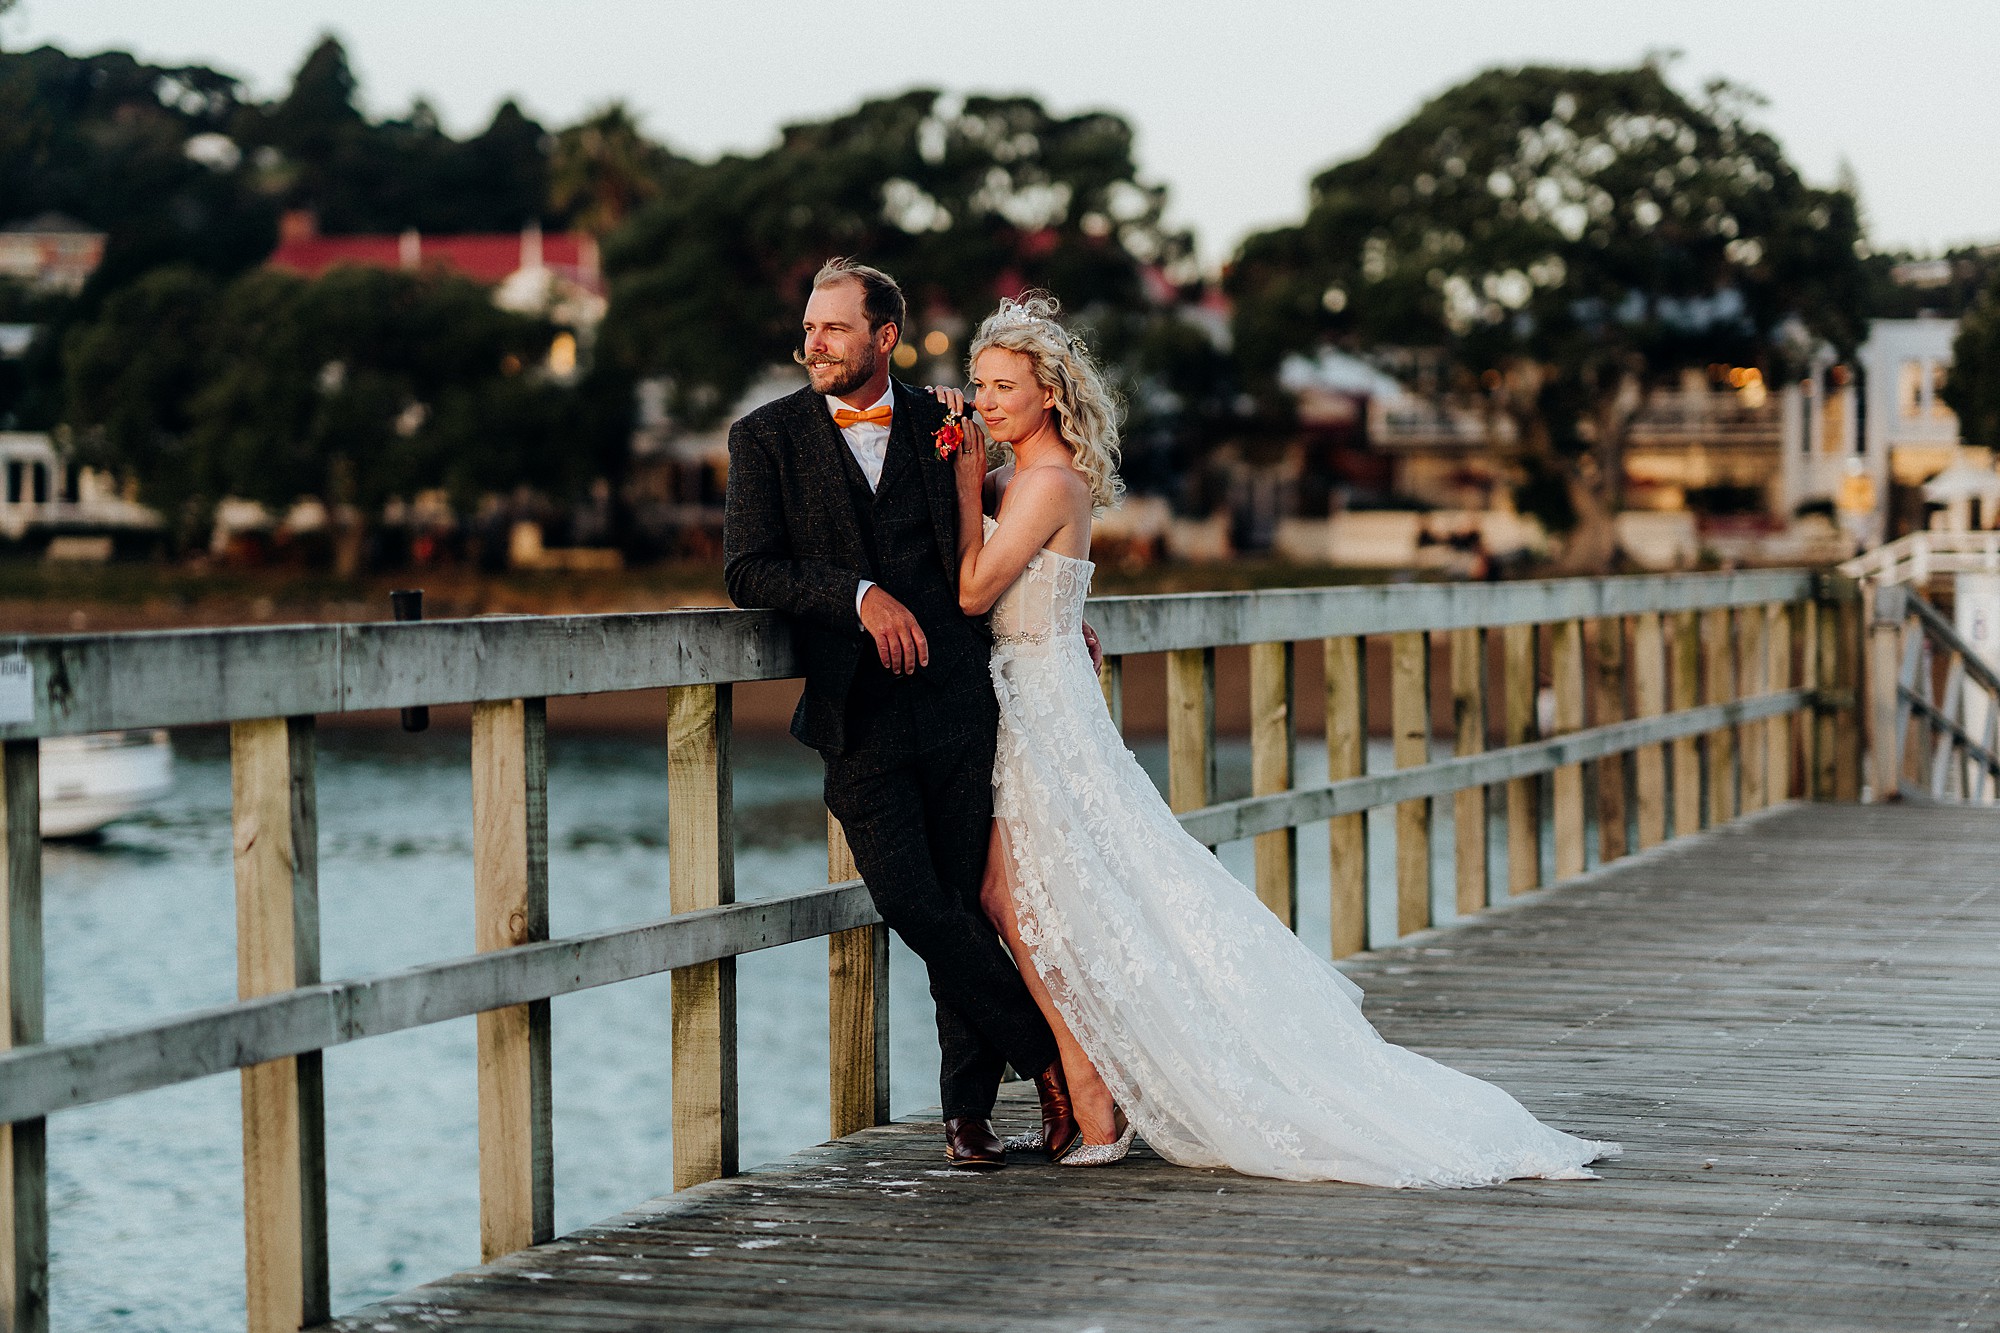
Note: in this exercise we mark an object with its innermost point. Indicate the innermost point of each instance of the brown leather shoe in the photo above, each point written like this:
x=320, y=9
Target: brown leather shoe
x=1060, y=1133
x=970, y=1141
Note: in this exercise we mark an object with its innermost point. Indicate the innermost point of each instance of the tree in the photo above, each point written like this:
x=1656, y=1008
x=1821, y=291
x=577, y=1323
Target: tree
x=963, y=202
x=1973, y=388
x=318, y=151
x=603, y=168
x=130, y=375
x=1571, y=239
x=355, y=387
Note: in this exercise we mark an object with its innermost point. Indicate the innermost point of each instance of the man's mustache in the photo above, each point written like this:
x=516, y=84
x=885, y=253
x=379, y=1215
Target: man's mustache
x=805, y=360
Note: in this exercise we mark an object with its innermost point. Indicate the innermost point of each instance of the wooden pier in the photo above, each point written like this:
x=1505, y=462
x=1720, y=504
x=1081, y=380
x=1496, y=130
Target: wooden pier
x=1787, y=1011
x=1793, y=1024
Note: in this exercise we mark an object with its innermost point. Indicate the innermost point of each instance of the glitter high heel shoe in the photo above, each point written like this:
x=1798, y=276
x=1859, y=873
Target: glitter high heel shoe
x=1101, y=1154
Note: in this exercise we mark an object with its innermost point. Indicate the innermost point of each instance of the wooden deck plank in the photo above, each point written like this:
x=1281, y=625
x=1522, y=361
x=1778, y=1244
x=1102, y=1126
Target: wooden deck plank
x=1793, y=1023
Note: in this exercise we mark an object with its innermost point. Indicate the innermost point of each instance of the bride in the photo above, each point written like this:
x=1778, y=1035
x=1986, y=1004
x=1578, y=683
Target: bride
x=1184, y=1009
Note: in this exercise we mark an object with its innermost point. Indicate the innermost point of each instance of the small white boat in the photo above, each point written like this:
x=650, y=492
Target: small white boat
x=89, y=781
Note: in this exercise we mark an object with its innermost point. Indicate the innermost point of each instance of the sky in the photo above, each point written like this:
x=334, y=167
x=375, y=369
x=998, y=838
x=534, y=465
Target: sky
x=1236, y=104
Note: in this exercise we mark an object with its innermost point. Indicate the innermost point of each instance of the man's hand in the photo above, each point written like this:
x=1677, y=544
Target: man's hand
x=899, y=639
x=1096, y=649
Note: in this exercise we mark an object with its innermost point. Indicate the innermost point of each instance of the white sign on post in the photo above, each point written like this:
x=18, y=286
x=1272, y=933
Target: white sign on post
x=1976, y=609
x=17, y=689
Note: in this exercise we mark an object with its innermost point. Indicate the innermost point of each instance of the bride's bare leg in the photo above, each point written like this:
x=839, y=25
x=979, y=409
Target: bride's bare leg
x=1089, y=1097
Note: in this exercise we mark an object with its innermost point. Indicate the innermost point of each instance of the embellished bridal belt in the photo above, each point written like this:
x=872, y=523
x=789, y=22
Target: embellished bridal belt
x=1031, y=636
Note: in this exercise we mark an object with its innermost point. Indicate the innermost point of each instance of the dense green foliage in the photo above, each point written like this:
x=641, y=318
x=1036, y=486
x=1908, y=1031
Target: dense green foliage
x=963, y=202
x=1572, y=238
x=1569, y=239
x=363, y=385
x=1973, y=390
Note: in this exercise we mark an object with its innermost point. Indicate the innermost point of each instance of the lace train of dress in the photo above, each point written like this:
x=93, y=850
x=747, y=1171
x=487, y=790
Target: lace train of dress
x=1225, y=1039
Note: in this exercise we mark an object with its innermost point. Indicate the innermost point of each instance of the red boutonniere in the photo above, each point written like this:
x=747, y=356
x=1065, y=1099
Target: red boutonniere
x=949, y=436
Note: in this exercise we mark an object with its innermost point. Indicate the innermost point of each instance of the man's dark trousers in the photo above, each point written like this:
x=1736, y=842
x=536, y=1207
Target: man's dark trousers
x=909, y=760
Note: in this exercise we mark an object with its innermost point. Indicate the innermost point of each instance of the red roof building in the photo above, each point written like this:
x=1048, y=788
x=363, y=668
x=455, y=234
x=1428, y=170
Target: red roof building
x=514, y=263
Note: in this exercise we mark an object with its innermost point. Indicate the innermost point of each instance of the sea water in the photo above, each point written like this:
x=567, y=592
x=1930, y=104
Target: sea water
x=146, y=1207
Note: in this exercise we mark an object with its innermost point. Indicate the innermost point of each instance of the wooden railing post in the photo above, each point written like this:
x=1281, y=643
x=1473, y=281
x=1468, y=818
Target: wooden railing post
x=1649, y=699
x=276, y=836
x=1111, y=679
x=1190, y=728
x=1410, y=710
x=1468, y=709
x=1271, y=738
x=1778, y=731
x=1346, y=669
x=510, y=891
x=1719, y=687
x=1753, y=666
x=1686, y=686
x=1524, y=817
x=1846, y=629
x=857, y=1003
x=24, y=1164
x=1566, y=675
x=701, y=864
x=1811, y=675
x=1607, y=706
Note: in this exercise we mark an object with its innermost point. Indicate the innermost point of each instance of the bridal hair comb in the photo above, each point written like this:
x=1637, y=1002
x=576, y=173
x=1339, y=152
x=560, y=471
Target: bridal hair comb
x=1036, y=311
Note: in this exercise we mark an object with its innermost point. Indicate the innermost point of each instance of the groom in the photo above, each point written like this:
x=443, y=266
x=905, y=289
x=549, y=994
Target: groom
x=841, y=515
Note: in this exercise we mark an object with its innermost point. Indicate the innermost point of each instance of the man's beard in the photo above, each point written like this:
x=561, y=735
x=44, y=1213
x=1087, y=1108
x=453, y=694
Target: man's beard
x=847, y=375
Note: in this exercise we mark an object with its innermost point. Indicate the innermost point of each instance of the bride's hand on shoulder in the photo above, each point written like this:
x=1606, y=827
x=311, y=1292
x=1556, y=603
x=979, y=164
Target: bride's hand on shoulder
x=969, y=462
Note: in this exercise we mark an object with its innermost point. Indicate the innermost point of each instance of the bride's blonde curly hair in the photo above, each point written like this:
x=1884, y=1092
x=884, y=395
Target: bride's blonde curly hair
x=1086, y=410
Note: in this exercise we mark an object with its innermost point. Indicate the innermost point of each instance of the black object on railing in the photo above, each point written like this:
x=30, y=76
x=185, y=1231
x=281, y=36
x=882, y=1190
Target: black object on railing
x=408, y=604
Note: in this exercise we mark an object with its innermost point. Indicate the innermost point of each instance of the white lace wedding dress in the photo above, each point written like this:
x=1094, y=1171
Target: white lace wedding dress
x=1226, y=1040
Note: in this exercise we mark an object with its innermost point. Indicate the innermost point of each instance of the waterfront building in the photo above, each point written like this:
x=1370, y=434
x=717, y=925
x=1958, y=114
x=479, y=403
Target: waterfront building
x=50, y=253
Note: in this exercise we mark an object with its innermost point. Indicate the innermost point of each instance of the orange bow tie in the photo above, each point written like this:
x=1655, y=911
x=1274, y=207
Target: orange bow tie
x=844, y=417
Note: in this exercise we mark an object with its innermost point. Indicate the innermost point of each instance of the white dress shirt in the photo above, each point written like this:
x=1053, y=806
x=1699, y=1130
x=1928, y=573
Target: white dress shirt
x=868, y=441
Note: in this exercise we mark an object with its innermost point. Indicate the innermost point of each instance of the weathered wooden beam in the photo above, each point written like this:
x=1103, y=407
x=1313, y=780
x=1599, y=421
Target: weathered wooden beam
x=1778, y=731
x=1111, y=679
x=1607, y=705
x=276, y=833
x=857, y=991
x=1566, y=786
x=1271, y=738
x=1718, y=678
x=1753, y=665
x=1410, y=712
x=701, y=865
x=1231, y=820
x=1522, y=676
x=1346, y=673
x=1190, y=728
x=1686, y=693
x=103, y=682
x=58, y=1075
x=1468, y=708
x=1649, y=699
x=1162, y=623
x=510, y=888
x=24, y=1163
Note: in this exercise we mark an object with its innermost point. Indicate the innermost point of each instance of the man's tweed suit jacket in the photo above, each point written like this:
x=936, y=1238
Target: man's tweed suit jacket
x=792, y=539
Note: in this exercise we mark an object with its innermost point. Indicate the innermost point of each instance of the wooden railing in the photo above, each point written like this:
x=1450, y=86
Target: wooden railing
x=1915, y=557
x=1680, y=700
x=1934, y=705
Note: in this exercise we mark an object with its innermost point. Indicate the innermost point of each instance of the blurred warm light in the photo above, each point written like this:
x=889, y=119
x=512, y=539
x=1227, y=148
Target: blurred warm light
x=936, y=343
x=1748, y=381
x=1491, y=379
x=511, y=364
x=904, y=356
x=562, y=354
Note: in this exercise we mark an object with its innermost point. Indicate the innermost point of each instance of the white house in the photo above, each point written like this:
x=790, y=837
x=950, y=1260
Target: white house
x=1846, y=437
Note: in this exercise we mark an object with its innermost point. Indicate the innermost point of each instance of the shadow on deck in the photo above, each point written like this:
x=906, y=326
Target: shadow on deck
x=1793, y=1024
